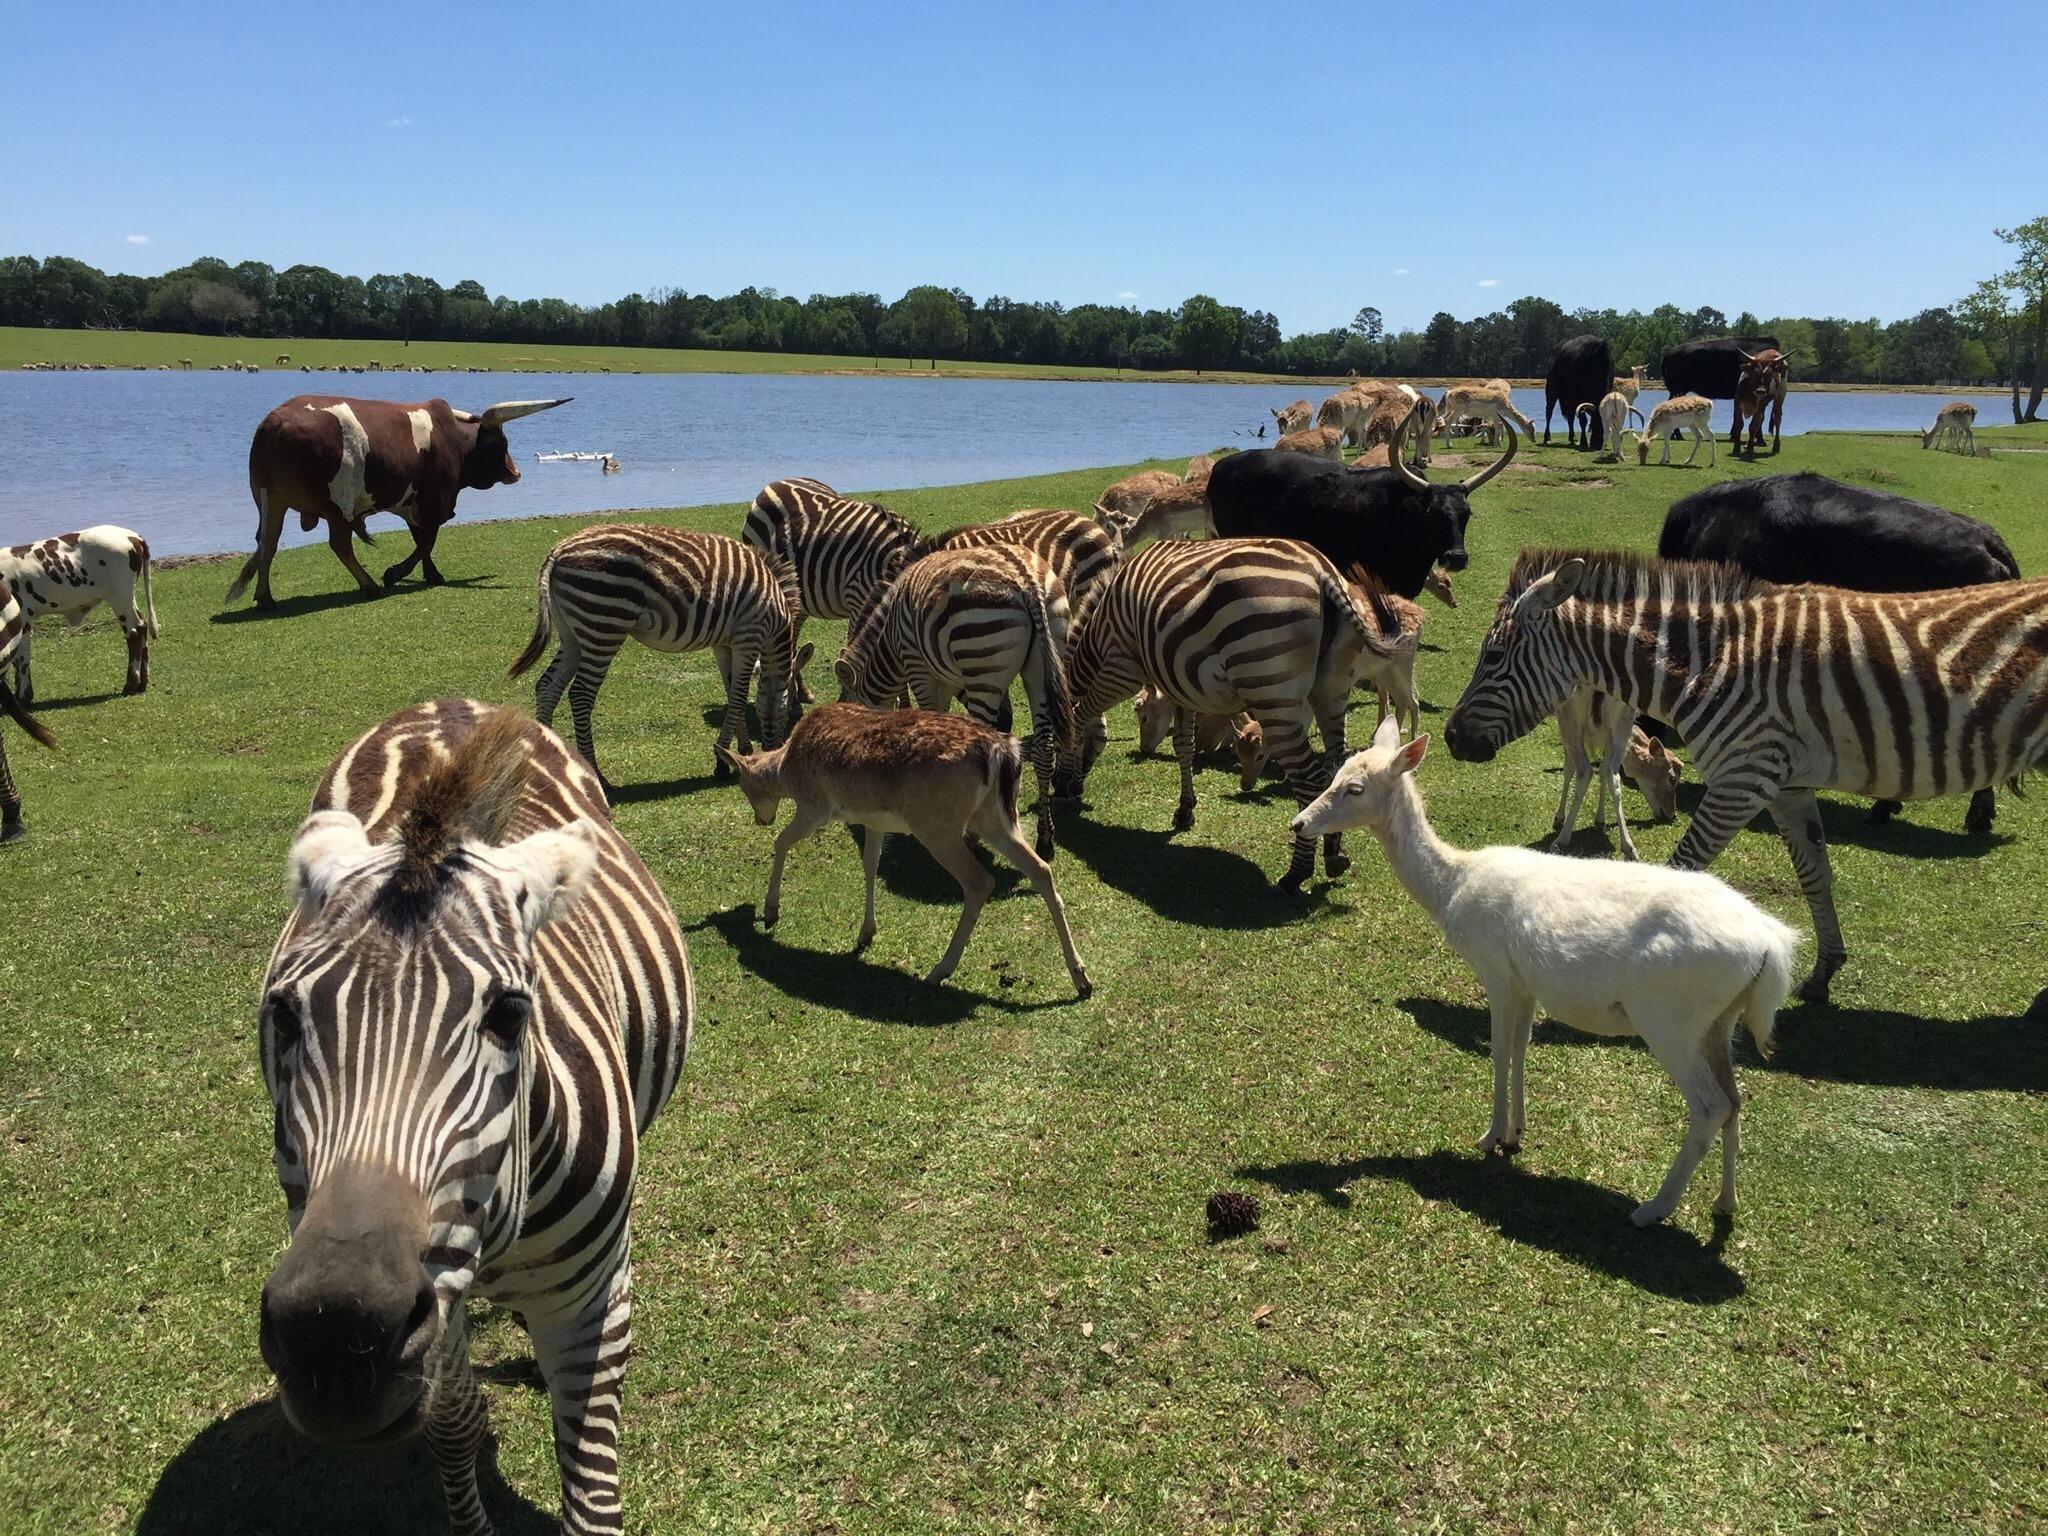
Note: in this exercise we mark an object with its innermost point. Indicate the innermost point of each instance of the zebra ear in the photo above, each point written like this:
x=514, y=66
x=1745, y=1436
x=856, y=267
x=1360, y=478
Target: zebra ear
x=556, y=867
x=328, y=845
x=1558, y=585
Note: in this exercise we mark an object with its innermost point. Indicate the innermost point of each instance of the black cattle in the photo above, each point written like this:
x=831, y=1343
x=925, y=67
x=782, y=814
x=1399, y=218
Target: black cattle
x=1392, y=521
x=1711, y=366
x=1808, y=528
x=1581, y=373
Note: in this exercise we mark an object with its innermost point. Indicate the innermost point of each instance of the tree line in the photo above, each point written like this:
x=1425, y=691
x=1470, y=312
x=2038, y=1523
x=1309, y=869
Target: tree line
x=1996, y=335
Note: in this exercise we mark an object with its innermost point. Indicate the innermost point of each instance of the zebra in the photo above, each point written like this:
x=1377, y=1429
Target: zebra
x=1264, y=626
x=1083, y=553
x=966, y=622
x=1778, y=691
x=841, y=549
x=671, y=590
x=13, y=635
x=477, y=1005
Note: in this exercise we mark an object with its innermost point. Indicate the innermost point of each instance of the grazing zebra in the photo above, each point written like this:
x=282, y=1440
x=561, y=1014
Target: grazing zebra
x=672, y=591
x=1778, y=691
x=966, y=622
x=1083, y=553
x=475, y=1009
x=1264, y=626
x=841, y=549
x=13, y=632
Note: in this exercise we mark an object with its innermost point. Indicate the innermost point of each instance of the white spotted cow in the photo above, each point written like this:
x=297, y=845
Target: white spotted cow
x=338, y=460
x=71, y=575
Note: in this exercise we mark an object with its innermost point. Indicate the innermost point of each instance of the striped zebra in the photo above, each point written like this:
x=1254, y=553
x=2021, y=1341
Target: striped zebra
x=965, y=623
x=671, y=590
x=477, y=1005
x=841, y=549
x=1263, y=626
x=13, y=631
x=1083, y=554
x=1778, y=691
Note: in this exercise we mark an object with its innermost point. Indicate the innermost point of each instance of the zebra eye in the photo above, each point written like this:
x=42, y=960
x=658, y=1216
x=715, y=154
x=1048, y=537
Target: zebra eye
x=505, y=1020
x=282, y=1014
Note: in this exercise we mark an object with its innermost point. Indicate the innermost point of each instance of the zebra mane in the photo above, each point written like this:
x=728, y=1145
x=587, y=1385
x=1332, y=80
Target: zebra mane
x=1614, y=575
x=470, y=792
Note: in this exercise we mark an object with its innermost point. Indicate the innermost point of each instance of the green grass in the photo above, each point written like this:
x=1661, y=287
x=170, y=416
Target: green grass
x=932, y=1260
x=154, y=349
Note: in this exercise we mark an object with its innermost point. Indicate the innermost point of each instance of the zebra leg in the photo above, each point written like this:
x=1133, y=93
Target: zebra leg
x=1798, y=818
x=1287, y=749
x=1882, y=811
x=1041, y=751
x=584, y=1360
x=10, y=802
x=736, y=669
x=591, y=667
x=456, y=1424
x=1184, y=754
x=1330, y=724
x=1983, y=810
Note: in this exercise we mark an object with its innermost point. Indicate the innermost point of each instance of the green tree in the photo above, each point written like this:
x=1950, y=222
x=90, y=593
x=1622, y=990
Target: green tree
x=1369, y=325
x=930, y=321
x=1204, y=332
x=2027, y=278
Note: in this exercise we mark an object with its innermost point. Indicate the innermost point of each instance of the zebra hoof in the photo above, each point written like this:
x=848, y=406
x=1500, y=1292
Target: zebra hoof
x=1044, y=847
x=1882, y=812
x=719, y=770
x=1183, y=818
x=1334, y=864
x=13, y=832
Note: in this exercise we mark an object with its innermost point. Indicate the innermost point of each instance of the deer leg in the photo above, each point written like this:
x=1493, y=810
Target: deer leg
x=870, y=862
x=1001, y=834
x=976, y=885
x=808, y=819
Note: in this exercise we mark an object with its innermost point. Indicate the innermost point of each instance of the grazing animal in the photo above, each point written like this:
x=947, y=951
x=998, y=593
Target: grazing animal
x=936, y=776
x=1581, y=371
x=1806, y=528
x=1438, y=585
x=1711, y=366
x=672, y=591
x=966, y=623
x=1762, y=385
x=13, y=631
x=1293, y=418
x=337, y=460
x=1265, y=627
x=1393, y=521
x=1322, y=442
x=1690, y=414
x=283, y=358
x=1673, y=956
x=1777, y=691
x=72, y=574
x=1181, y=510
x=1954, y=427
x=1198, y=469
x=1596, y=731
x=477, y=1006
x=1490, y=402
x=1614, y=413
x=1158, y=714
x=1393, y=675
x=1128, y=497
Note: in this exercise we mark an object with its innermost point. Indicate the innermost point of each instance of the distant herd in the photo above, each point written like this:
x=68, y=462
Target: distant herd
x=481, y=998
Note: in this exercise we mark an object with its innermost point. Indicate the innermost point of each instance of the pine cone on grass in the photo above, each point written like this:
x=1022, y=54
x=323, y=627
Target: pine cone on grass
x=1232, y=1214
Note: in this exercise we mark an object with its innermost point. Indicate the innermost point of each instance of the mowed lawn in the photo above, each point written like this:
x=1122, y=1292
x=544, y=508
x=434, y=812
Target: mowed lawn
x=933, y=1259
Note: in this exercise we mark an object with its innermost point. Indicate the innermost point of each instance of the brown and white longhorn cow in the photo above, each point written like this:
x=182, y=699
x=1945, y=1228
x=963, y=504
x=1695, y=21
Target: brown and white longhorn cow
x=337, y=460
x=1762, y=384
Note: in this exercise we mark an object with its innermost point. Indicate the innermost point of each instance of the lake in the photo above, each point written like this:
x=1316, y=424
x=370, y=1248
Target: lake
x=167, y=453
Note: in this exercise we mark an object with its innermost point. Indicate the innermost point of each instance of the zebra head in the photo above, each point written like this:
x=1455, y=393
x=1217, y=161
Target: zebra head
x=394, y=1036
x=1523, y=673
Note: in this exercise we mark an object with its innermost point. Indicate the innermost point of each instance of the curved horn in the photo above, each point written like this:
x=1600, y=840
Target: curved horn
x=1397, y=451
x=1635, y=413
x=511, y=410
x=1499, y=464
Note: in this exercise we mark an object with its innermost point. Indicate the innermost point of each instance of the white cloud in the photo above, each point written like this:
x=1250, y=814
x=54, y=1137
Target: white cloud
x=398, y=122
x=1489, y=282
x=1127, y=294
x=138, y=239
x=1400, y=271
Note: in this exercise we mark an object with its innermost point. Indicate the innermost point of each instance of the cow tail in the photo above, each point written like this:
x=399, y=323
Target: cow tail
x=148, y=591
x=360, y=527
x=543, y=621
x=21, y=717
x=262, y=522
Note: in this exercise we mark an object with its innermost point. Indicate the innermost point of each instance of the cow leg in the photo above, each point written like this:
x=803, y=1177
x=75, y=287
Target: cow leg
x=423, y=536
x=344, y=551
x=137, y=680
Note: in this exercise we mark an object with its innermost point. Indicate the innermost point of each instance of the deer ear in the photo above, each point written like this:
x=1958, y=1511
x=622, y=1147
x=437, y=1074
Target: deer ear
x=1389, y=733
x=726, y=756
x=1410, y=757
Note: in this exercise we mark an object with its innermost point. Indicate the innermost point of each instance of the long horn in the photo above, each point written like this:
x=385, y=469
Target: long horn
x=1497, y=465
x=1635, y=413
x=1397, y=451
x=511, y=410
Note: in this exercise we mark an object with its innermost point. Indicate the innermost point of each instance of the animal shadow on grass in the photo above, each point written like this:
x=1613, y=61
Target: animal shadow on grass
x=1848, y=822
x=251, y=1472
x=44, y=706
x=1184, y=882
x=849, y=983
x=1824, y=1043
x=1577, y=1221
x=663, y=789
x=343, y=597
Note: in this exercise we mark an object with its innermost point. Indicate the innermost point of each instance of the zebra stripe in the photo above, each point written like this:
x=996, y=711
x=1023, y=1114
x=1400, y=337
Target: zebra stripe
x=672, y=591
x=13, y=638
x=841, y=549
x=416, y=923
x=1263, y=626
x=967, y=622
x=1778, y=691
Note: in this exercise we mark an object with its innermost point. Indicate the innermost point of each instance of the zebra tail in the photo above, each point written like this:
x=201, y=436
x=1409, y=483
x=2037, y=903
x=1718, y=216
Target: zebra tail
x=543, y=619
x=1059, y=698
x=21, y=717
x=1008, y=762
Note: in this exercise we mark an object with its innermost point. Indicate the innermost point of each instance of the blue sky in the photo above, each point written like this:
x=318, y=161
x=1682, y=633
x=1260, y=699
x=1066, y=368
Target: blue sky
x=1085, y=153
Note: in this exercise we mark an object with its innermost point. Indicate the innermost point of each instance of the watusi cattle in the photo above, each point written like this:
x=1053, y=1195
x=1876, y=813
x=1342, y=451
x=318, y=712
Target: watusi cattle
x=1581, y=373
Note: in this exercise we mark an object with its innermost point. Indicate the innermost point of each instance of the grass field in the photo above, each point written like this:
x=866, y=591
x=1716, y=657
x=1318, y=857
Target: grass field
x=932, y=1260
